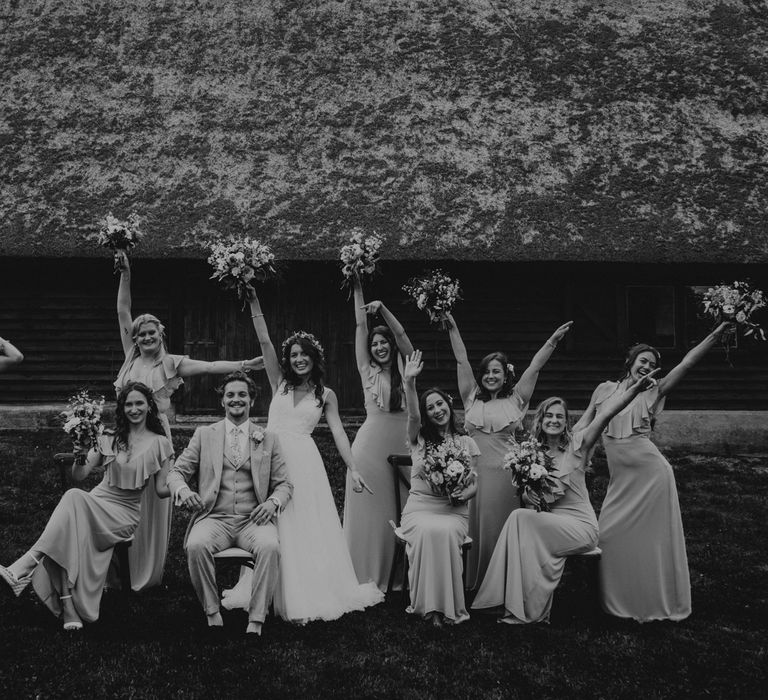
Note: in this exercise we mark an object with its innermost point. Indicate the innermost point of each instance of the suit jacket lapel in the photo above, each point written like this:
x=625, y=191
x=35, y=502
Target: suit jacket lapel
x=217, y=448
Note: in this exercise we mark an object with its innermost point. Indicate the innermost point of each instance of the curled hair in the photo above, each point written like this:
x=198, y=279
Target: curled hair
x=138, y=322
x=310, y=345
x=395, y=379
x=428, y=430
x=538, y=419
x=506, y=388
x=238, y=376
x=632, y=355
x=123, y=426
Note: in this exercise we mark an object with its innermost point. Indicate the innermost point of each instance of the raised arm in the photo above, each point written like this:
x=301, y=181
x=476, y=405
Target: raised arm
x=124, y=318
x=464, y=375
x=404, y=345
x=412, y=369
x=192, y=368
x=361, y=327
x=333, y=419
x=612, y=405
x=271, y=361
x=9, y=355
x=691, y=358
x=527, y=382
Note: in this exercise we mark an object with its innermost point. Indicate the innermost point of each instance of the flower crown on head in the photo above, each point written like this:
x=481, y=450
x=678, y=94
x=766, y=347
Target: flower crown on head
x=302, y=335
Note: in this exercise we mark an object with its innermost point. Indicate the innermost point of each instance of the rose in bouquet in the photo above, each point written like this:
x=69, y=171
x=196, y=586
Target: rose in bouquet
x=434, y=292
x=736, y=303
x=360, y=256
x=118, y=235
x=531, y=467
x=82, y=422
x=447, y=468
x=238, y=263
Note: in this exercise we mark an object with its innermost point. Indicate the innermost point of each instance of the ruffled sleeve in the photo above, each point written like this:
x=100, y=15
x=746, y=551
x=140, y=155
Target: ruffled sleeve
x=470, y=446
x=571, y=460
x=635, y=419
x=163, y=378
x=134, y=473
x=493, y=416
x=104, y=446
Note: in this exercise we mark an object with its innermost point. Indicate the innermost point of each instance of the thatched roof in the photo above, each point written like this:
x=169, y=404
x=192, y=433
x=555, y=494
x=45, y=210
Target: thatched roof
x=561, y=130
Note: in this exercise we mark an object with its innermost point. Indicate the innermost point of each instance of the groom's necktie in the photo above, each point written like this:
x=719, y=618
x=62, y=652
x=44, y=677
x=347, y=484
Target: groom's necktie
x=235, y=452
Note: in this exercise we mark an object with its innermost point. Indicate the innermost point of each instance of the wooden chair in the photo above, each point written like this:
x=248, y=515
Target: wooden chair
x=234, y=555
x=590, y=563
x=63, y=460
x=397, y=461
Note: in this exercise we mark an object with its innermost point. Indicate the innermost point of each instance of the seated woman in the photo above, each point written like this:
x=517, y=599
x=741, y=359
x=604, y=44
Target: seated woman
x=434, y=526
x=529, y=557
x=75, y=548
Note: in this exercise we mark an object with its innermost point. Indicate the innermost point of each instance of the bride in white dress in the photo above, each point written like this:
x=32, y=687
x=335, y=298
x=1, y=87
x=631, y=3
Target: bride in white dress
x=317, y=579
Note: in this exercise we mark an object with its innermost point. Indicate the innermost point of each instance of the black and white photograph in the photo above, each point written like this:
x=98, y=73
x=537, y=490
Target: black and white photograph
x=383, y=349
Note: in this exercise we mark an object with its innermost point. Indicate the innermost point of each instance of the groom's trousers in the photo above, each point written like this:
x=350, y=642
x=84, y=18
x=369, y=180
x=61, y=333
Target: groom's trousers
x=217, y=532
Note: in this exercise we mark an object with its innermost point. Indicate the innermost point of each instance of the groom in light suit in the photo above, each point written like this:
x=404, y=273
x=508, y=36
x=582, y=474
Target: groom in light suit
x=242, y=485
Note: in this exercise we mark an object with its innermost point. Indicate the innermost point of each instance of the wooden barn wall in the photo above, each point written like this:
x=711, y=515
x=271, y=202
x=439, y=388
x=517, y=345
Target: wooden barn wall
x=61, y=314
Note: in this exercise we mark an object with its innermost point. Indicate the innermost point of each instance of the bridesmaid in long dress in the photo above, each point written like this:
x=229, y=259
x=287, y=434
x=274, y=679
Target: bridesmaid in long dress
x=378, y=353
x=529, y=557
x=76, y=546
x=434, y=528
x=10, y=355
x=494, y=409
x=147, y=360
x=644, y=566
x=317, y=579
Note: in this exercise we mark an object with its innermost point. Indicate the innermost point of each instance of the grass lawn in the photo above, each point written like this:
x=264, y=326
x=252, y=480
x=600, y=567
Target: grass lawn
x=153, y=645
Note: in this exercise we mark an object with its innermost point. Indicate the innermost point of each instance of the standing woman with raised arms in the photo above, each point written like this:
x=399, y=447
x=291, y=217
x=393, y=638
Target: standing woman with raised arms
x=379, y=352
x=9, y=355
x=148, y=361
x=644, y=566
x=494, y=409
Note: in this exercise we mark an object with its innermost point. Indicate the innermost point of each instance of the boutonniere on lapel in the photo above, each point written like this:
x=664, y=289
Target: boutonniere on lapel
x=257, y=435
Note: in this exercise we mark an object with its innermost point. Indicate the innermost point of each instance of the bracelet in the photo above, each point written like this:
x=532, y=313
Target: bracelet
x=551, y=344
x=242, y=365
x=255, y=315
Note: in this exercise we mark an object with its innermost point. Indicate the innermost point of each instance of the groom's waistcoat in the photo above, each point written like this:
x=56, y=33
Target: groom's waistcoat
x=237, y=495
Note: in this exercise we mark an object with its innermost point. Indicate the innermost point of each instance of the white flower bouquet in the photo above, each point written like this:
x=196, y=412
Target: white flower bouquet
x=434, y=292
x=735, y=302
x=447, y=467
x=82, y=422
x=237, y=263
x=118, y=235
x=360, y=256
x=532, y=469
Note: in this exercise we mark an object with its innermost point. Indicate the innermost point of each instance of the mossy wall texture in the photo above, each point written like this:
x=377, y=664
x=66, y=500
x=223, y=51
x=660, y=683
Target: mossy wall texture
x=561, y=130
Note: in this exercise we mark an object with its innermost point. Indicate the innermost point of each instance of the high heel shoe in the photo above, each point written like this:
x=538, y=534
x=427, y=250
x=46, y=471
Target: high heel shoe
x=17, y=584
x=71, y=625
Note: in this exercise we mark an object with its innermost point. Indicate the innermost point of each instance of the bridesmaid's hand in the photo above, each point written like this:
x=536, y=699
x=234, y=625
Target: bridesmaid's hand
x=448, y=321
x=462, y=495
x=413, y=366
x=254, y=363
x=531, y=498
x=373, y=307
x=559, y=334
x=121, y=261
x=646, y=382
x=358, y=483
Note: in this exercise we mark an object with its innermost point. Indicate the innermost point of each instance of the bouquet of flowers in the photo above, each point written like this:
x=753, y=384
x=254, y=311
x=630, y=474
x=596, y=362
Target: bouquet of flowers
x=359, y=256
x=82, y=422
x=434, y=292
x=236, y=263
x=447, y=468
x=735, y=302
x=532, y=468
x=118, y=235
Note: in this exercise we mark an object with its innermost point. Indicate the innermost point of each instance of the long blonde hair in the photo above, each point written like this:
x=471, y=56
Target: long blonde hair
x=538, y=419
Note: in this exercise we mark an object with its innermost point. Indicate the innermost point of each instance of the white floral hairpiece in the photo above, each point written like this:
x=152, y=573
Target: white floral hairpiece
x=302, y=335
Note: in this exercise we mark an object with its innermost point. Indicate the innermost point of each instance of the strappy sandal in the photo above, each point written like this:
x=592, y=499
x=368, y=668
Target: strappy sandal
x=72, y=625
x=17, y=584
